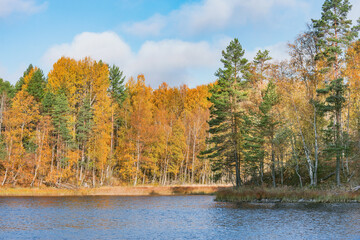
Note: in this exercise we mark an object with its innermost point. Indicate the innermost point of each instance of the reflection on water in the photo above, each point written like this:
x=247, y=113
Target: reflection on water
x=176, y=217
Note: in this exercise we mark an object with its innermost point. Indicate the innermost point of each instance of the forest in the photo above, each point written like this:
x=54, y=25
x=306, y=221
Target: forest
x=262, y=122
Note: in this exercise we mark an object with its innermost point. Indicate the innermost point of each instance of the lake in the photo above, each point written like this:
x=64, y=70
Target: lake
x=172, y=217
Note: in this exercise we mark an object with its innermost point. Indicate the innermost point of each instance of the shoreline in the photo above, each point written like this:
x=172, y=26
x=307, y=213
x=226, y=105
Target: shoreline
x=172, y=190
x=286, y=195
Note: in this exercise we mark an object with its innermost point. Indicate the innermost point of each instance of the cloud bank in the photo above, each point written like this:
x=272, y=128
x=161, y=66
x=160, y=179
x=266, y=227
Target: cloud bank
x=210, y=15
x=173, y=61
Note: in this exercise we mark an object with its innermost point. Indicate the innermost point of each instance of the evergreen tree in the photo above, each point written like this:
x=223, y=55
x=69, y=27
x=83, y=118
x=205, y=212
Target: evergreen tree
x=268, y=122
x=225, y=120
x=253, y=145
x=48, y=102
x=60, y=113
x=118, y=94
x=36, y=85
x=21, y=81
x=7, y=88
x=84, y=123
x=256, y=135
x=117, y=86
x=335, y=33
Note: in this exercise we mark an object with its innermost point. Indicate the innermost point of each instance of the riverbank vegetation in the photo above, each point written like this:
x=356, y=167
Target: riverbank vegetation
x=262, y=123
x=287, y=195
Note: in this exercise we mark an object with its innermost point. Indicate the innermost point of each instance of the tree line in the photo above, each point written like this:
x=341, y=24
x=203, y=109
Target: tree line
x=295, y=122
x=83, y=125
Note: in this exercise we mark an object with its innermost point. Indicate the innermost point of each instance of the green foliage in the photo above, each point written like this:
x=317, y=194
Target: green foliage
x=335, y=34
x=20, y=83
x=225, y=119
x=334, y=30
x=117, y=86
x=262, y=57
x=270, y=99
x=84, y=122
x=253, y=143
x=60, y=113
x=7, y=88
x=36, y=85
x=48, y=102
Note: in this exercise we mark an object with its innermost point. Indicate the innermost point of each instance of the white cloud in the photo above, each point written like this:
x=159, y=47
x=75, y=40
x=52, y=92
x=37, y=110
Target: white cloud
x=173, y=61
x=7, y=7
x=107, y=46
x=210, y=15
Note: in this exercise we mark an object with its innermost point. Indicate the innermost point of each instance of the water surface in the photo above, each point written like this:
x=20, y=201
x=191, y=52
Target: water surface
x=172, y=217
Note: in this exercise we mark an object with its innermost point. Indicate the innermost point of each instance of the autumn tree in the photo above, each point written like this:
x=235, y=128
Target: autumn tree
x=19, y=123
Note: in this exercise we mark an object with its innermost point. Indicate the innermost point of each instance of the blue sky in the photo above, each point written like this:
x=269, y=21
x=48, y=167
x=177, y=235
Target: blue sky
x=177, y=41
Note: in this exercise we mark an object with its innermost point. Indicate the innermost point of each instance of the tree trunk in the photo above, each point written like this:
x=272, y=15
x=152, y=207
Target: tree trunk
x=193, y=156
x=273, y=174
x=137, y=162
x=306, y=150
x=297, y=161
x=316, y=148
x=338, y=145
x=5, y=177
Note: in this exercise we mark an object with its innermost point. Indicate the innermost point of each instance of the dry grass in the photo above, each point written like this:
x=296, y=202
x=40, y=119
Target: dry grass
x=286, y=194
x=115, y=191
x=39, y=192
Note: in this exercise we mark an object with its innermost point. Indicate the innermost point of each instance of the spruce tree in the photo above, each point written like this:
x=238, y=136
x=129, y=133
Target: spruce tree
x=335, y=33
x=225, y=121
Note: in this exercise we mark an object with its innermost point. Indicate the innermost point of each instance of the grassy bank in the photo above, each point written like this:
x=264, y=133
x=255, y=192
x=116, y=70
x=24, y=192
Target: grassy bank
x=286, y=195
x=114, y=191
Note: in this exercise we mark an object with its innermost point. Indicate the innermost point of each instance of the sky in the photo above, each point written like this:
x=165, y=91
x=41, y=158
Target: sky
x=177, y=41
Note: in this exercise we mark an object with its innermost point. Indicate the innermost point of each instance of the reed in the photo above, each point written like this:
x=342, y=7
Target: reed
x=286, y=194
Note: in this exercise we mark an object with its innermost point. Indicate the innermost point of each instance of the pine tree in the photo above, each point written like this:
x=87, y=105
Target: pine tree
x=335, y=33
x=36, y=85
x=225, y=120
x=256, y=135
